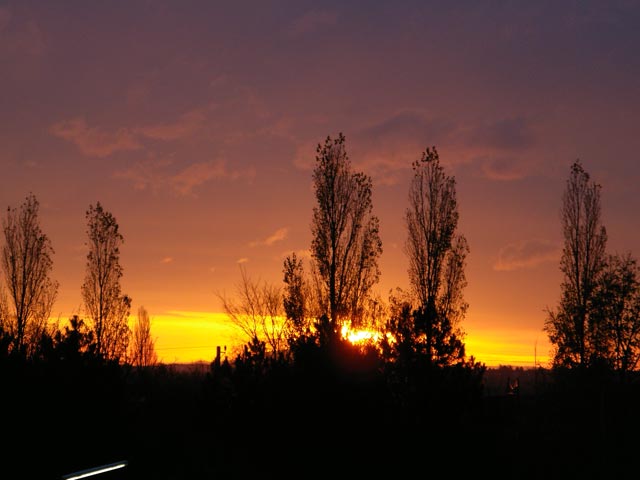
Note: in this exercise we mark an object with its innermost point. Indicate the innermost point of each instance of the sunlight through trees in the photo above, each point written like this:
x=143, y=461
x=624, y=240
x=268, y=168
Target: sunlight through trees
x=346, y=244
x=256, y=309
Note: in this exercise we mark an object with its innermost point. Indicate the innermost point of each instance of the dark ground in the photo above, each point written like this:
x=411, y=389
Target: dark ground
x=180, y=425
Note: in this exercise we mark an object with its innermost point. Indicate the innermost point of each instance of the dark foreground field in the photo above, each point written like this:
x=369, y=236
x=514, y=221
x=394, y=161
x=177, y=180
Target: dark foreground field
x=185, y=423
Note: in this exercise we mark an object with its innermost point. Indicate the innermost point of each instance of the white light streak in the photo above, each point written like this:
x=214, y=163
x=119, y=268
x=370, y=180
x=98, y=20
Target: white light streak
x=95, y=471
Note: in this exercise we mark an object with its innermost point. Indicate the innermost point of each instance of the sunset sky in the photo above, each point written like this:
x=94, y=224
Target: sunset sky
x=195, y=123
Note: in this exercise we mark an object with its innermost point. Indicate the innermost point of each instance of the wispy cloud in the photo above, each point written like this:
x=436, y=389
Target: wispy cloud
x=186, y=125
x=526, y=254
x=388, y=146
x=198, y=173
x=303, y=253
x=242, y=260
x=503, y=148
x=276, y=236
x=413, y=126
x=166, y=260
x=94, y=141
x=158, y=174
x=99, y=142
x=502, y=134
x=504, y=169
x=147, y=174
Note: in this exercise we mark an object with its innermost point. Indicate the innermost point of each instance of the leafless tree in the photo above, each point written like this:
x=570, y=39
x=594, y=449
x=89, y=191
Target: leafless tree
x=437, y=258
x=257, y=311
x=583, y=260
x=345, y=234
x=142, y=350
x=107, y=308
x=27, y=263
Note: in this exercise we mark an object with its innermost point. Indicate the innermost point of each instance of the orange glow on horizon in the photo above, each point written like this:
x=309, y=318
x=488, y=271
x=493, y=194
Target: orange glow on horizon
x=502, y=348
x=192, y=337
x=188, y=337
x=184, y=337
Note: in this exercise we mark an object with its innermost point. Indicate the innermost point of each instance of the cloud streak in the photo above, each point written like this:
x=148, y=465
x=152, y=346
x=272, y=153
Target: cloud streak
x=100, y=142
x=503, y=169
x=388, y=146
x=199, y=173
x=94, y=141
x=301, y=254
x=275, y=237
x=526, y=254
x=502, y=134
x=186, y=125
x=160, y=174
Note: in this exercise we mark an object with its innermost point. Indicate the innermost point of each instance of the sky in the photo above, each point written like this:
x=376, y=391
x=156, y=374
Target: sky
x=195, y=123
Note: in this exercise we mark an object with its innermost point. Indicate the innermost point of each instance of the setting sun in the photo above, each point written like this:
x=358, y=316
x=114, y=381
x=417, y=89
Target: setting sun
x=357, y=336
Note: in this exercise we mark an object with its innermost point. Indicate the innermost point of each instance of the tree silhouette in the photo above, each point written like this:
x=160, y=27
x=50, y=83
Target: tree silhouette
x=400, y=324
x=142, y=349
x=296, y=296
x=437, y=257
x=615, y=321
x=571, y=329
x=27, y=263
x=74, y=341
x=5, y=323
x=256, y=310
x=345, y=240
x=107, y=308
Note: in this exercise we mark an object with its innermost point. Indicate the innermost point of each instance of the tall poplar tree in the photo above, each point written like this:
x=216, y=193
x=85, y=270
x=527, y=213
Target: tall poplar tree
x=571, y=327
x=107, y=308
x=345, y=234
x=437, y=259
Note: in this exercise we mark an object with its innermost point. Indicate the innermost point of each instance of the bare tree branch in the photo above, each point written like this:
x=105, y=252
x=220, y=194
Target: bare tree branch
x=27, y=263
x=346, y=243
x=107, y=308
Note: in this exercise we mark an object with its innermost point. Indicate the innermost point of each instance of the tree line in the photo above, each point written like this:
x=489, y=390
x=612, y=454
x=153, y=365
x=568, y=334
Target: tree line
x=29, y=294
x=596, y=324
x=334, y=294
